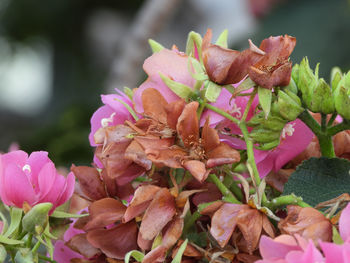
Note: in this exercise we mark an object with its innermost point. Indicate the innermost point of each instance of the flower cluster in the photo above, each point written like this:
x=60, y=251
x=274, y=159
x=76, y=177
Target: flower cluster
x=192, y=166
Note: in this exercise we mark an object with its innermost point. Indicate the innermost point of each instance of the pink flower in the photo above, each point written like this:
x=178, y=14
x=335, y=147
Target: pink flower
x=110, y=114
x=174, y=64
x=288, y=249
x=32, y=179
x=339, y=253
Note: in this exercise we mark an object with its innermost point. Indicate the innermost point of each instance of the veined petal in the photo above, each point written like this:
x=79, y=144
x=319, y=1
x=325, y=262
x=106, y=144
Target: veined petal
x=187, y=125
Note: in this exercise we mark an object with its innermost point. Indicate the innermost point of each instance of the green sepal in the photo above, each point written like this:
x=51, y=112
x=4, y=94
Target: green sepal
x=295, y=73
x=336, y=238
x=16, y=217
x=49, y=246
x=268, y=146
x=157, y=241
x=199, y=71
x=24, y=255
x=37, y=218
x=336, y=75
x=307, y=81
x=194, y=39
x=265, y=98
x=212, y=91
x=137, y=255
x=128, y=92
x=130, y=110
x=292, y=86
x=341, y=97
x=178, y=256
x=9, y=241
x=155, y=46
x=3, y=254
x=181, y=90
x=322, y=100
x=222, y=39
x=261, y=135
x=245, y=85
x=61, y=214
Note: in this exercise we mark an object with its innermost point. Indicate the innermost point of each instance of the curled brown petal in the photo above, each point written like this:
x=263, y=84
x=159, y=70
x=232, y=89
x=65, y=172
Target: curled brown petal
x=141, y=200
x=173, y=232
x=188, y=125
x=89, y=181
x=210, y=137
x=174, y=110
x=160, y=211
x=224, y=222
x=104, y=212
x=80, y=244
x=115, y=242
x=135, y=153
x=155, y=255
x=197, y=169
x=171, y=157
x=223, y=154
x=154, y=105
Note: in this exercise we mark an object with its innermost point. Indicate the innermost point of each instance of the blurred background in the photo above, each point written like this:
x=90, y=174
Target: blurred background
x=58, y=56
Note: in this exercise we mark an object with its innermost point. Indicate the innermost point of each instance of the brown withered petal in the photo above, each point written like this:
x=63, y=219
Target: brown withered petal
x=143, y=243
x=270, y=78
x=115, y=134
x=250, y=222
x=212, y=208
x=160, y=211
x=190, y=251
x=110, y=183
x=197, y=169
x=226, y=66
x=140, y=201
x=278, y=179
x=104, y=212
x=154, y=105
x=212, y=194
x=170, y=157
x=81, y=222
x=80, y=244
x=245, y=258
x=173, y=232
x=182, y=198
x=224, y=222
x=174, y=110
x=152, y=142
x=130, y=173
x=115, y=242
x=155, y=255
x=135, y=153
x=267, y=226
x=89, y=181
x=223, y=154
x=307, y=222
x=188, y=126
x=278, y=47
x=210, y=137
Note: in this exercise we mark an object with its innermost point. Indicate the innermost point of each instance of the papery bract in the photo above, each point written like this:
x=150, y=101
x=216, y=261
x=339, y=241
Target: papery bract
x=33, y=180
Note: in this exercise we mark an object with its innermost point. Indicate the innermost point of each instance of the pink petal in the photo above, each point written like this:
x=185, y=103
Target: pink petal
x=111, y=100
x=18, y=187
x=344, y=223
x=311, y=254
x=64, y=254
x=37, y=160
x=17, y=157
x=100, y=113
x=68, y=191
x=271, y=249
x=333, y=252
x=55, y=192
x=46, y=178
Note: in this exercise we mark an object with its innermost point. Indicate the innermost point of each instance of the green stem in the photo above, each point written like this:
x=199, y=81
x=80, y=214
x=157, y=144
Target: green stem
x=306, y=117
x=285, y=200
x=338, y=128
x=36, y=247
x=46, y=258
x=201, y=108
x=326, y=145
x=223, y=189
x=29, y=240
x=323, y=122
x=222, y=113
x=332, y=119
x=195, y=216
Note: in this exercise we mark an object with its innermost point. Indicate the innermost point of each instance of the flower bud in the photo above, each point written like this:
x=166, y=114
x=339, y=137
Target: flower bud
x=289, y=106
x=37, y=218
x=322, y=99
x=341, y=97
x=261, y=135
x=24, y=255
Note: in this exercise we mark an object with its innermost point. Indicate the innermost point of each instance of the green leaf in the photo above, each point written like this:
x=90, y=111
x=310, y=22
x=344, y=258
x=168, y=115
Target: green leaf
x=222, y=39
x=155, y=46
x=181, y=90
x=137, y=255
x=16, y=217
x=3, y=254
x=9, y=241
x=199, y=73
x=212, y=91
x=319, y=179
x=265, y=97
x=178, y=257
x=61, y=214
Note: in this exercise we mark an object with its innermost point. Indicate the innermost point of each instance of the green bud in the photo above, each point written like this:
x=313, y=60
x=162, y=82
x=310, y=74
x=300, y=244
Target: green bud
x=295, y=73
x=307, y=81
x=274, y=123
x=3, y=254
x=292, y=87
x=155, y=46
x=222, y=39
x=37, y=218
x=261, y=135
x=322, y=99
x=181, y=90
x=24, y=255
x=336, y=76
x=342, y=98
x=288, y=108
x=192, y=40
